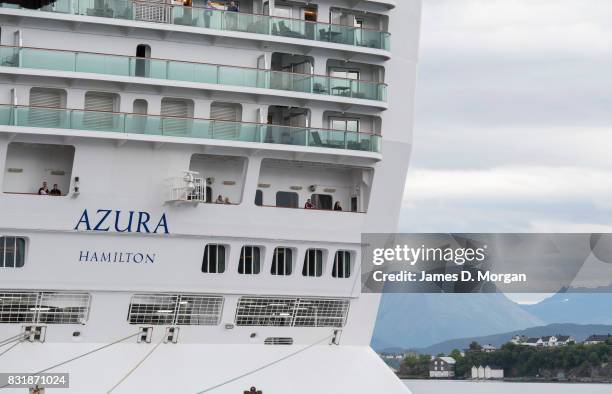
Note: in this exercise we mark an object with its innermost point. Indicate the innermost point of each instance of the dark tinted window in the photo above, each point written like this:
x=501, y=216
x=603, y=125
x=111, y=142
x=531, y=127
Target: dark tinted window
x=287, y=200
x=313, y=263
x=214, y=259
x=322, y=201
x=342, y=264
x=282, y=262
x=250, y=261
x=259, y=198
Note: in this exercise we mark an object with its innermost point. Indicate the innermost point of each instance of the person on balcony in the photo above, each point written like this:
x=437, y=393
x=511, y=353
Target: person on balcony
x=44, y=190
x=55, y=191
x=226, y=200
x=233, y=7
x=232, y=18
x=309, y=204
x=337, y=206
x=208, y=6
x=219, y=199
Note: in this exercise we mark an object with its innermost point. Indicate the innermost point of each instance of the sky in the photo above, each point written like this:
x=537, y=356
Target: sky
x=513, y=118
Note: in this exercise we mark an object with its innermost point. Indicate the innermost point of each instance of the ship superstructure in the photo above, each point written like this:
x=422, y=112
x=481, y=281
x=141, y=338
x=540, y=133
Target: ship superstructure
x=195, y=177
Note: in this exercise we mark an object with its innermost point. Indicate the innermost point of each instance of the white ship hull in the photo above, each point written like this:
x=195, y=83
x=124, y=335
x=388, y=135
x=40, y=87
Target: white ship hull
x=134, y=248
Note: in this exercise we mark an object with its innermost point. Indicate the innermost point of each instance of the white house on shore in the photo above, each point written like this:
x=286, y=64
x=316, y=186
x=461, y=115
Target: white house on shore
x=487, y=373
x=545, y=341
x=596, y=339
x=442, y=367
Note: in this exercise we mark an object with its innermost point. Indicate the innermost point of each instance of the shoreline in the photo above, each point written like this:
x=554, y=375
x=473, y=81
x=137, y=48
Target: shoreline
x=511, y=380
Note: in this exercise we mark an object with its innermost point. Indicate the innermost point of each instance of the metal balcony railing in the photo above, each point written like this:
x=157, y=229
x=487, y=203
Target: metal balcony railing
x=162, y=12
x=116, y=122
x=100, y=63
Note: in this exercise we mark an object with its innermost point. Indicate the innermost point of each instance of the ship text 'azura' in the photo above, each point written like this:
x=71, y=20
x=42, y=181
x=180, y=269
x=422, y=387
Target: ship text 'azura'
x=121, y=222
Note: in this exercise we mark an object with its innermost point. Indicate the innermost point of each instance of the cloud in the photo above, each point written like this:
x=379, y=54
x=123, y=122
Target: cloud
x=521, y=185
x=519, y=26
x=521, y=62
x=514, y=127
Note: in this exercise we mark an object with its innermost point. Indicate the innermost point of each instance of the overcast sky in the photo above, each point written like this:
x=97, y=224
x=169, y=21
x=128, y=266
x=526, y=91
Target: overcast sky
x=514, y=118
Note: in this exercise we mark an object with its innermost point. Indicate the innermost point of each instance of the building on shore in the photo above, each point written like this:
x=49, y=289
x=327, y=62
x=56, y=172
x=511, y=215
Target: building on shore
x=442, y=367
x=545, y=341
x=596, y=339
x=487, y=373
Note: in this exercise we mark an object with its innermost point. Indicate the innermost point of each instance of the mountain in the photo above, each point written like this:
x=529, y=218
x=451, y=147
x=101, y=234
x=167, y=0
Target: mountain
x=574, y=307
x=418, y=320
x=579, y=331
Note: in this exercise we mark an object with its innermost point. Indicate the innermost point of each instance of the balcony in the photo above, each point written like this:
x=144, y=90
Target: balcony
x=129, y=123
x=174, y=70
x=222, y=20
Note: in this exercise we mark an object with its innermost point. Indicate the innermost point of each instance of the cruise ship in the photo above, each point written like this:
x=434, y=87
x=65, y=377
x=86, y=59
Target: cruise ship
x=185, y=185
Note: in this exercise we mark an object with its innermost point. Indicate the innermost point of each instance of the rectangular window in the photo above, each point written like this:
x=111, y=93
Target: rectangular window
x=102, y=106
x=291, y=312
x=282, y=262
x=342, y=264
x=175, y=309
x=250, y=260
x=287, y=200
x=259, y=198
x=343, y=73
x=45, y=100
x=44, y=307
x=323, y=201
x=344, y=124
x=214, y=259
x=313, y=263
x=12, y=252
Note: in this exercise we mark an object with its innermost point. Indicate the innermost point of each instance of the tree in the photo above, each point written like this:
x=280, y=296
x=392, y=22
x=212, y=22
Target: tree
x=456, y=354
x=475, y=347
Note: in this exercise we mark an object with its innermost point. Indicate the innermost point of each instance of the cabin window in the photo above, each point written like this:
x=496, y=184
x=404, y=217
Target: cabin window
x=344, y=124
x=41, y=169
x=250, y=260
x=100, y=108
x=143, y=52
x=259, y=198
x=214, y=259
x=313, y=263
x=344, y=73
x=342, y=264
x=287, y=199
x=282, y=262
x=225, y=116
x=323, y=201
x=45, y=103
x=176, y=114
x=12, y=252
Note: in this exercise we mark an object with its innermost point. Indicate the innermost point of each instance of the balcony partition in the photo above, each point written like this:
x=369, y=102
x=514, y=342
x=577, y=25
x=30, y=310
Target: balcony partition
x=221, y=20
x=61, y=118
x=98, y=63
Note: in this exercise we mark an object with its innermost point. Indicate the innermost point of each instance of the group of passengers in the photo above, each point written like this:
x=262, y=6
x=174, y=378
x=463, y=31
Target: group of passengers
x=310, y=205
x=222, y=200
x=44, y=190
x=232, y=7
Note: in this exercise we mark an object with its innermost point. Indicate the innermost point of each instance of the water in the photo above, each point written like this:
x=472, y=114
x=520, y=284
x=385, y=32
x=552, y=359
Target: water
x=467, y=387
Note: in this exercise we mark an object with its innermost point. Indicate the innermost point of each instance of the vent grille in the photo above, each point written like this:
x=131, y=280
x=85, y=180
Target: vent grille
x=291, y=312
x=44, y=307
x=278, y=341
x=175, y=309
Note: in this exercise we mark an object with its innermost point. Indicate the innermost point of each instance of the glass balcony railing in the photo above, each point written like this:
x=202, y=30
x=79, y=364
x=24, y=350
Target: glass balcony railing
x=52, y=59
x=221, y=20
x=62, y=118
